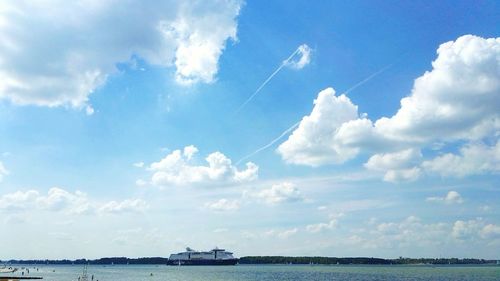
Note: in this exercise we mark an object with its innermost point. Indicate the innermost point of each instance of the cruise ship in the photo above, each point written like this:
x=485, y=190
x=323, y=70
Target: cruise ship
x=191, y=257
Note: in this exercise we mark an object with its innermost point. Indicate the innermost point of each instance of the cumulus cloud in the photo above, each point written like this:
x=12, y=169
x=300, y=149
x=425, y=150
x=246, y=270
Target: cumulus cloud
x=278, y=193
x=402, y=175
x=313, y=142
x=223, y=205
x=177, y=168
x=490, y=231
x=57, y=53
x=281, y=234
x=397, y=166
x=413, y=231
x=125, y=206
x=3, y=171
x=60, y=200
x=18, y=200
x=315, y=228
x=457, y=100
x=476, y=158
x=301, y=58
x=57, y=199
x=466, y=230
x=475, y=229
x=452, y=197
x=331, y=224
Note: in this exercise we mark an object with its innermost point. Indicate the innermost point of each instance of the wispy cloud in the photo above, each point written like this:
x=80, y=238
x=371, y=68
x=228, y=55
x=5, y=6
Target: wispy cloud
x=303, y=53
x=452, y=197
x=370, y=77
x=269, y=144
x=284, y=133
x=3, y=171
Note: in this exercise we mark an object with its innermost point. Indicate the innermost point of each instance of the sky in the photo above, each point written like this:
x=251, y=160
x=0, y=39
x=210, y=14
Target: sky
x=332, y=128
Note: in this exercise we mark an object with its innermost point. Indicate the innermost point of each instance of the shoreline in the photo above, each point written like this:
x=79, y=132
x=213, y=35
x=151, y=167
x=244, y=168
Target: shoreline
x=269, y=260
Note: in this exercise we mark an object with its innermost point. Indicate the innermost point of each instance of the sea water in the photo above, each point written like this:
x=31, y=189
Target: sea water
x=265, y=272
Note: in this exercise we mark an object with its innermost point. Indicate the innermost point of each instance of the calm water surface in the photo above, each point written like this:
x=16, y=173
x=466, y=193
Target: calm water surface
x=269, y=272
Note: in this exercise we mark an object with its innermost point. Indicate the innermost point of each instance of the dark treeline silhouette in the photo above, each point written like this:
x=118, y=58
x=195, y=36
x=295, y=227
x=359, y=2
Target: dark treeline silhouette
x=267, y=260
x=309, y=260
x=113, y=260
x=357, y=260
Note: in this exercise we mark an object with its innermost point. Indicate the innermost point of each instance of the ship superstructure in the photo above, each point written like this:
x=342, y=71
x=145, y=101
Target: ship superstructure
x=213, y=257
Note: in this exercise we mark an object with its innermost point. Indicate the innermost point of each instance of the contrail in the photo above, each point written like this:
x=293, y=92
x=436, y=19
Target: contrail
x=368, y=78
x=267, y=80
x=296, y=124
x=269, y=144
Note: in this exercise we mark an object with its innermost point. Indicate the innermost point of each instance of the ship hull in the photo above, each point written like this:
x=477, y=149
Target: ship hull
x=203, y=262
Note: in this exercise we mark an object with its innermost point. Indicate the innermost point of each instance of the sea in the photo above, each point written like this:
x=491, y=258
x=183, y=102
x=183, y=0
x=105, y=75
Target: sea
x=264, y=272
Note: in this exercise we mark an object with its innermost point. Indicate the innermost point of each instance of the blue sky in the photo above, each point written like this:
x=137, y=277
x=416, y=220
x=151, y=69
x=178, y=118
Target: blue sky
x=121, y=132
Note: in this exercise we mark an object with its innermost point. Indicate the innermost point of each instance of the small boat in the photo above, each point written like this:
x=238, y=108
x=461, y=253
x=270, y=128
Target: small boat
x=9, y=269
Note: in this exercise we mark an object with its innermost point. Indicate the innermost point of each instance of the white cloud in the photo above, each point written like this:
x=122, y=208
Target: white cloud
x=331, y=224
x=397, y=166
x=452, y=197
x=402, y=175
x=414, y=232
x=473, y=159
x=223, y=205
x=410, y=231
x=281, y=234
x=201, y=39
x=190, y=151
x=60, y=200
x=278, y=193
x=125, y=206
x=3, y=171
x=388, y=228
x=249, y=174
x=315, y=228
x=139, y=164
x=304, y=57
x=18, y=200
x=466, y=230
x=176, y=168
x=141, y=182
x=89, y=110
x=57, y=53
x=457, y=100
x=57, y=199
x=475, y=229
x=313, y=142
x=490, y=231
x=394, y=161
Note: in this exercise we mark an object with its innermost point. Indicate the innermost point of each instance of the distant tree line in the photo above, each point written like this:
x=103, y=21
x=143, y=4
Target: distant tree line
x=104, y=261
x=357, y=260
x=266, y=260
x=309, y=260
